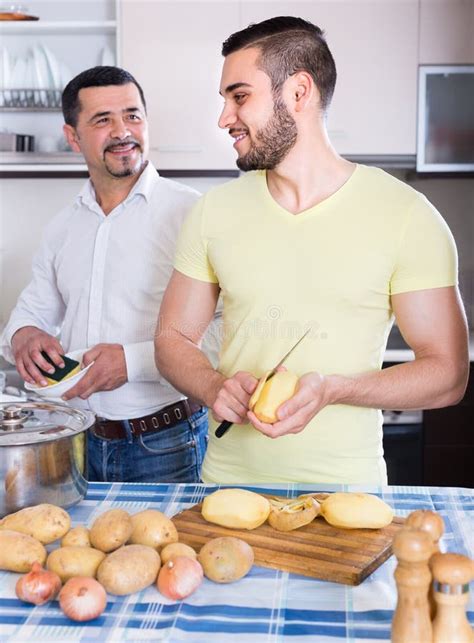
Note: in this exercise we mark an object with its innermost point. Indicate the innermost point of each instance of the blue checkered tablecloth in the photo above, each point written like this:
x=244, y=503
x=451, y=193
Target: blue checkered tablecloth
x=266, y=606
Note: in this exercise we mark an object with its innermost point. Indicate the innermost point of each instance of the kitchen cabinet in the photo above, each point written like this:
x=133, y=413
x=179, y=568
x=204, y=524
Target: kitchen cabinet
x=173, y=49
x=32, y=77
x=374, y=45
x=446, y=32
x=449, y=442
x=175, y=54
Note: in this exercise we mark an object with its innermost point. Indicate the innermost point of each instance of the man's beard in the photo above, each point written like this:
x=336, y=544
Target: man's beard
x=128, y=168
x=275, y=140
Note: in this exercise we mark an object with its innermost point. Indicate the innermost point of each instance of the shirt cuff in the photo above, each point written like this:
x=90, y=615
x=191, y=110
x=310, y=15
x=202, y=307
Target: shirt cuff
x=140, y=360
x=6, y=338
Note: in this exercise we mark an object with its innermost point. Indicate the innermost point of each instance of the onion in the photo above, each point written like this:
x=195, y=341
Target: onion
x=82, y=598
x=38, y=586
x=179, y=577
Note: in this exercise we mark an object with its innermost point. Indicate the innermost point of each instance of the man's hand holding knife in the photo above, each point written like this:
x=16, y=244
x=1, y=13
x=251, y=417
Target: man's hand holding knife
x=232, y=402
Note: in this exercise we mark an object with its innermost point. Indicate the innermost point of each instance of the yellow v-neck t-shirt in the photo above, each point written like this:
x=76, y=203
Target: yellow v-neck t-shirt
x=333, y=268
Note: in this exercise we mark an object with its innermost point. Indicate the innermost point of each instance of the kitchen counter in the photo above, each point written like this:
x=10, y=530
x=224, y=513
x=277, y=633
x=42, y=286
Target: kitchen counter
x=267, y=605
x=63, y=164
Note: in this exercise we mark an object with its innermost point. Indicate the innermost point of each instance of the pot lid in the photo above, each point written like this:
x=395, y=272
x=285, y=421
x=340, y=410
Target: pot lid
x=36, y=422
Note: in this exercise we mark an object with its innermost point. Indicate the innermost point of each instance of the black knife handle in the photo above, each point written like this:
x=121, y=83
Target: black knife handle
x=223, y=428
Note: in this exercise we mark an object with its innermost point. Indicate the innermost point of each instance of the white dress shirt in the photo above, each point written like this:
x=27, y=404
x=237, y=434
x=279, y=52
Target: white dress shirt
x=100, y=279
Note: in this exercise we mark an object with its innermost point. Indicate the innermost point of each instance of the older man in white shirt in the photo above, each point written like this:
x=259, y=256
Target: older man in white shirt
x=98, y=280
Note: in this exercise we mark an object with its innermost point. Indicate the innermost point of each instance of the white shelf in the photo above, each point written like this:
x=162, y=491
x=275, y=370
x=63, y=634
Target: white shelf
x=43, y=167
x=41, y=161
x=59, y=27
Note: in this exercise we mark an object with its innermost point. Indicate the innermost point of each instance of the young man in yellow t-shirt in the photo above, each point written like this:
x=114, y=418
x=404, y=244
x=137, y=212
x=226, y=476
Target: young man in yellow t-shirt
x=307, y=239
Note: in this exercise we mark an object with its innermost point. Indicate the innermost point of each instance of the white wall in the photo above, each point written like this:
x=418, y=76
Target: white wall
x=26, y=206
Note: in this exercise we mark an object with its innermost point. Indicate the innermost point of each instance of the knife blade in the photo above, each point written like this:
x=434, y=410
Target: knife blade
x=225, y=425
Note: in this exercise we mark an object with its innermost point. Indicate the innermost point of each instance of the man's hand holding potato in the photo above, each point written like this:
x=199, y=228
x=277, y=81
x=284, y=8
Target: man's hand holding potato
x=311, y=396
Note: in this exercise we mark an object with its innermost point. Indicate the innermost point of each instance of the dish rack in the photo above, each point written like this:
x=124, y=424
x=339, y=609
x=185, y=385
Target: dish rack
x=30, y=99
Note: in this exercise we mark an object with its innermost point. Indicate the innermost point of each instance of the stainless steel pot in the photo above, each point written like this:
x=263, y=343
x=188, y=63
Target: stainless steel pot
x=43, y=454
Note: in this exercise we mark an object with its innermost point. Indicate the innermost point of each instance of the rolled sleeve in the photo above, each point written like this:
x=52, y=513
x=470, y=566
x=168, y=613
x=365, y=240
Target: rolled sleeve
x=140, y=361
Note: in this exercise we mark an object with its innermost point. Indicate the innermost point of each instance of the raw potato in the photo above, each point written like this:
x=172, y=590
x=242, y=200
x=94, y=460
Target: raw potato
x=76, y=537
x=44, y=522
x=287, y=515
x=236, y=508
x=356, y=510
x=19, y=551
x=111, y=530
x=129, y=569
x=226, y=559
x=271, y=394
x=176, y=549
x=152, y=528
x=74, y=561
x=258, y=391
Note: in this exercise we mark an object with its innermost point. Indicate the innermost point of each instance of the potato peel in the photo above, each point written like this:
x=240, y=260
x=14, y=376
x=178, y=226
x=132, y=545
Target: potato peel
x=287, y=515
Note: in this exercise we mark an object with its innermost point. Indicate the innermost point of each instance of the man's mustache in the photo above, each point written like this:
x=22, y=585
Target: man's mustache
x=127, y=141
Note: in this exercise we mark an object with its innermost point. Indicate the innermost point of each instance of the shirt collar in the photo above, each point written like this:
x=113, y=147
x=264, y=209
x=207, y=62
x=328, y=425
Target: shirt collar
x=144, y=186
x=146, y=183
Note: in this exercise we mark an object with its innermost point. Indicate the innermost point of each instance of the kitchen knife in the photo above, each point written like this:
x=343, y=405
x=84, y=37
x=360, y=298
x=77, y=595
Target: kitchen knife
x=225, y=425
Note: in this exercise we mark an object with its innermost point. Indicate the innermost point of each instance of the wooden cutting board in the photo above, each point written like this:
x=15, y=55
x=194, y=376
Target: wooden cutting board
x=318, y=550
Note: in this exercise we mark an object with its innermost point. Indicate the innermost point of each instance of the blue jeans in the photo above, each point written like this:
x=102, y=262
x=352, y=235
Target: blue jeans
x=174, y=454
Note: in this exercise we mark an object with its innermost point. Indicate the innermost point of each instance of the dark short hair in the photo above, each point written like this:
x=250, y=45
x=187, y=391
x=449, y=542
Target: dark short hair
x=288, y=45
x=94, y=77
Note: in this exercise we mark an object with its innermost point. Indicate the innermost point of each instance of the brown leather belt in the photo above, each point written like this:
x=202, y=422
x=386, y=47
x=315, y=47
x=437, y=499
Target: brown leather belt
x=165, y=418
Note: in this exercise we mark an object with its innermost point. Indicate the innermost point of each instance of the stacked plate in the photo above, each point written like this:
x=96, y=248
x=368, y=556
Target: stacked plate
x=37, y=79
x=34, y=80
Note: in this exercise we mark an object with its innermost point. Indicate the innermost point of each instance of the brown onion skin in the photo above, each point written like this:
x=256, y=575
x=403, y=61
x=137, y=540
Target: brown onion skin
x=78, y=596
x=38, y=586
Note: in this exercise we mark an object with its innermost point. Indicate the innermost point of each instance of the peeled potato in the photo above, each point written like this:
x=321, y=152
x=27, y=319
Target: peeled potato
x=236, y=508
x=256, y=394
x=356, y=510
x=272, y=393
x=287, y=515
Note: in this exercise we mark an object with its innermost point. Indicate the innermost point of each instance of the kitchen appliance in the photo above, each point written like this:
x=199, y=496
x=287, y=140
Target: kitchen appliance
x=445, y=137
x=318, y=549
x=403, y=446
x=43, y=454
